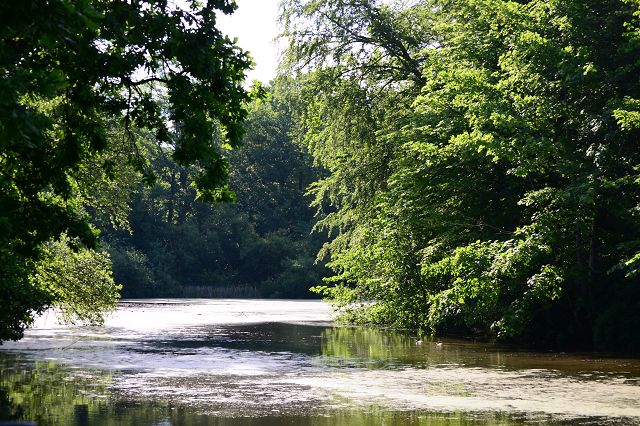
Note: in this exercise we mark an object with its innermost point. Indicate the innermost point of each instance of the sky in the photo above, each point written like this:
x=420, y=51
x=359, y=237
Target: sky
x=255, y=24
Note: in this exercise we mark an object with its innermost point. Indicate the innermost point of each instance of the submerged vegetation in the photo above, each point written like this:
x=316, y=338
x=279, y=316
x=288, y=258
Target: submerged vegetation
x=472, y=165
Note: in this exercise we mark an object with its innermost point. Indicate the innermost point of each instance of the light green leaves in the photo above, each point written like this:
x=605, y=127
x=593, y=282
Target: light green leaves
x=79, y=281
x=509, y=197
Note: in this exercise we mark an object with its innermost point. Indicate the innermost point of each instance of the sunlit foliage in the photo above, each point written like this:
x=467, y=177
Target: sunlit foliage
x=497, y=194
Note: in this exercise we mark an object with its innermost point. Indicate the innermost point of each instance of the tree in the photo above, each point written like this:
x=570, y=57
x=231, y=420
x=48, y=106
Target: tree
x=539, y=248
x=359, y=68
x=68, y=69
x=509, y=208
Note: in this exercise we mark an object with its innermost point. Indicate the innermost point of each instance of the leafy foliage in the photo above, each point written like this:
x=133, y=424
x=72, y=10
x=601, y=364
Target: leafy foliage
x=69, y=71
x=508, y=199
x=79, y=281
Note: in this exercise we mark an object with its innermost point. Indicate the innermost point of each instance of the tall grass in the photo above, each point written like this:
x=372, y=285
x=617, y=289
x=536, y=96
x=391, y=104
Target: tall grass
x=229, y=292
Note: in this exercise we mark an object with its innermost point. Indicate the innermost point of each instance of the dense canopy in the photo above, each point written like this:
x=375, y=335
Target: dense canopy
x=483, y=163
x=71, y=72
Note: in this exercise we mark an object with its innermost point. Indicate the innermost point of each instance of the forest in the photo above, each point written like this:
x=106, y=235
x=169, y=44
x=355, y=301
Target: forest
x=456, y=167
x=259, y=246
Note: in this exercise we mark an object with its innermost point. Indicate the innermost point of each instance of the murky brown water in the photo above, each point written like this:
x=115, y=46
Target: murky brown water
x=246, y=362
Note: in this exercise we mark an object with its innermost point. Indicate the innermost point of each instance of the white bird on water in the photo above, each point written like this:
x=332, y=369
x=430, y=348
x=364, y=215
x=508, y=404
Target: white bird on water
x=439, y=345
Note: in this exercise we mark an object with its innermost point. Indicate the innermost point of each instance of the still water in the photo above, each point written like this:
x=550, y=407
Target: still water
x=273, y=362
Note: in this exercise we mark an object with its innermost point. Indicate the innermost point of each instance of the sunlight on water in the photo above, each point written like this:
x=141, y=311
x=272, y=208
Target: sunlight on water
x=283, y=362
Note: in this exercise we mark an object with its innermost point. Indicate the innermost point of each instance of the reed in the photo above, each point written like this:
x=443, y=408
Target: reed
x=228, y=292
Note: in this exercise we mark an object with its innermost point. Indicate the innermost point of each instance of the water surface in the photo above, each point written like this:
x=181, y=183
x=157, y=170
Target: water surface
x=264, y=362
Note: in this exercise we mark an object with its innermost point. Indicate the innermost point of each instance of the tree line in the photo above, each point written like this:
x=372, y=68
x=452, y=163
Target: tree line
x=259, y=246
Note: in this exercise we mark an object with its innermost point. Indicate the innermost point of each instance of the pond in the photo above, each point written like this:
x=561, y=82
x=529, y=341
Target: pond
x=273, y=362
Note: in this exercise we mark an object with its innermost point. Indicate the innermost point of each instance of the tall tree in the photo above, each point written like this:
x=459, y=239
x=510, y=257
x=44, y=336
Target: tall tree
x=359, y=68
x=67, y=68
x=509, y=207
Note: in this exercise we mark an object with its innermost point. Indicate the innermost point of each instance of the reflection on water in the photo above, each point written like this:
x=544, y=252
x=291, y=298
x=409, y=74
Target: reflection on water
x=231, y=362
x=47, y=392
